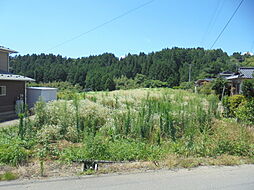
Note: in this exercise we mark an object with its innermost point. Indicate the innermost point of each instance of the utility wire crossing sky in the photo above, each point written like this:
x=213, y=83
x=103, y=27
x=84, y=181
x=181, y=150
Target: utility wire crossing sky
x=103, y=24
x=227, y=24
x=80, y=28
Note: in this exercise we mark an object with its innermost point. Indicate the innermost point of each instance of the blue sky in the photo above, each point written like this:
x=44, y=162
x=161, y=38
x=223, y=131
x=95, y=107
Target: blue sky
x=36, y=26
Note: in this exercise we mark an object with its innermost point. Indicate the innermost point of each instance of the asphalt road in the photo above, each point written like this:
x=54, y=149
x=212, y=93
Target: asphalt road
x=236, y=178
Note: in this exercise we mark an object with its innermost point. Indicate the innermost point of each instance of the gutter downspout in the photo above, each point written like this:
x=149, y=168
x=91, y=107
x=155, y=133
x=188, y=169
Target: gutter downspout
x=25, y=94
x=8, y=60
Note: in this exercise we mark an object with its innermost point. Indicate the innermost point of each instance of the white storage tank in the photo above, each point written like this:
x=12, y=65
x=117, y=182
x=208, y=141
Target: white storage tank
x=36, y=93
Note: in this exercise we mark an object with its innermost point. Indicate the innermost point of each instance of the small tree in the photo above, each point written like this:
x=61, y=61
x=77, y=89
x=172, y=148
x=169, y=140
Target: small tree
x=220, y=86
x=186, y=85
x=245, y=113
x=248, y=88
x=139, y=80
x=110, y=84
x=24, y=122
x=206, y=88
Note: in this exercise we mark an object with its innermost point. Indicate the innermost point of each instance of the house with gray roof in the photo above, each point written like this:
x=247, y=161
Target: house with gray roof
x=236, y=80
x=12, y=87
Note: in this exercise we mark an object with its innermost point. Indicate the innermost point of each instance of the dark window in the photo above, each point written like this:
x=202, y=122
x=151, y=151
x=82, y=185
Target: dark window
x=2, y=90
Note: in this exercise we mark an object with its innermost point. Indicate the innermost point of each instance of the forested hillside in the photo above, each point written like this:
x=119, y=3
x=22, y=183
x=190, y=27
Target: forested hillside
x=168, y=65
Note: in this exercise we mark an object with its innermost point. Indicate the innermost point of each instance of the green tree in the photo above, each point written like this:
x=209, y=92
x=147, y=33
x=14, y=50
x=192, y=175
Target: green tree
x=248, y=88
x=110, y=84
x=219, y=85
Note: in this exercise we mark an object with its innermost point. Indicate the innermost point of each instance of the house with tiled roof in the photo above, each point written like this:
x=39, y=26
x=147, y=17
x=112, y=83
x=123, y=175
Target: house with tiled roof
x=12, y=87
x=236, y=80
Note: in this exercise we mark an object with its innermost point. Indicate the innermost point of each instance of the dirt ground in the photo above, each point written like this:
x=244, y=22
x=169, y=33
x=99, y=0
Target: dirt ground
x=55, y=169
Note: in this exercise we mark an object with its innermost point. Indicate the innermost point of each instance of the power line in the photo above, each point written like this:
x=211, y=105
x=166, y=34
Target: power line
x=227, y=24
x=213, y=19
x=103, y=24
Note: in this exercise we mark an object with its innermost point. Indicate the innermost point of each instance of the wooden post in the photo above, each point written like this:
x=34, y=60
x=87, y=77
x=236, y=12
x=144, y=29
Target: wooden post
x=223, y=91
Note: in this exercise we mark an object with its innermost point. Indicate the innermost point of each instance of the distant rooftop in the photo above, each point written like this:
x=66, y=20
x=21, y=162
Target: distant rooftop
x=243, y=72
x=41, y=88
x=198, y=82
x=226, y=74
x=247, y=72
x=7, y=50
x=9, y=76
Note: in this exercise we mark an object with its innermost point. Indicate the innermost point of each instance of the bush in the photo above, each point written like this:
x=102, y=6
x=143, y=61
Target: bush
x=154, y=84
x=225, y=138
x=231, y=104
x=8, y=176
x=130, y=150
x=218, y=85
x=49, y=133
x=68, y=119
x=13, y=154
x=100, y=148
x=248, y=88
x=93, y=148
x=245, y=112
x=109, y=84
x=206, y=88
x=186, y=86
x=66, y=95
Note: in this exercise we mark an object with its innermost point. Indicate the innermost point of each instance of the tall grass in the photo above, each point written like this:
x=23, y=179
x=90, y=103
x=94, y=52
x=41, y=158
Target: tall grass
x=161, y=120
x=149, y=115
x=168, y=116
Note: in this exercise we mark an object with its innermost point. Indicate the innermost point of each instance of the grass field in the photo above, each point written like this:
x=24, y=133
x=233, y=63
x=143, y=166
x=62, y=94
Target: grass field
x=154, y=127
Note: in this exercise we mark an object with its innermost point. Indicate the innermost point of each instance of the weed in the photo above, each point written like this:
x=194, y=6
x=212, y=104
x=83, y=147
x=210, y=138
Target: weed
x=7, y=176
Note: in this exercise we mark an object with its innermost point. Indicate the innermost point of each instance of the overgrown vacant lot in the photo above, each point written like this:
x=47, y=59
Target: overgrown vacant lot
x=156, y=128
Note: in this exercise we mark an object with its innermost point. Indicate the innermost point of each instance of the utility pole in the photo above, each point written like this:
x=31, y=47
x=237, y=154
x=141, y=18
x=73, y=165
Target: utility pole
x=35, y=74
x=189, y=72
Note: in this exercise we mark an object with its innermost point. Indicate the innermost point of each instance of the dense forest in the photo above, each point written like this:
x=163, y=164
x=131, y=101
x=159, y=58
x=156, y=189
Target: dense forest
x=170, y=66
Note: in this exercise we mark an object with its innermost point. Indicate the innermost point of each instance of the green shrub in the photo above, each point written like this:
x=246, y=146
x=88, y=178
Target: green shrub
x=232, y=147
x=66, y=95
x=100, y=148
x=231, y=104
x=154, y=84
x=41, y=116
x=93, y=148
x=206, y=88
x=186, y=86
x=248, y=88
x=13, y=154
x=140, y=81
x=131, y=150
x=13, y=150
x=245, y=112
x=218, y=85
x=97, y=148
x=124, y=83
x=73, y=153
x=49, y=133
x=7, y=176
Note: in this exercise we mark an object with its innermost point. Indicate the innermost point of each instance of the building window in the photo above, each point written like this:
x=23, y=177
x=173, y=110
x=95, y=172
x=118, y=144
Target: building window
x=2, y=90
